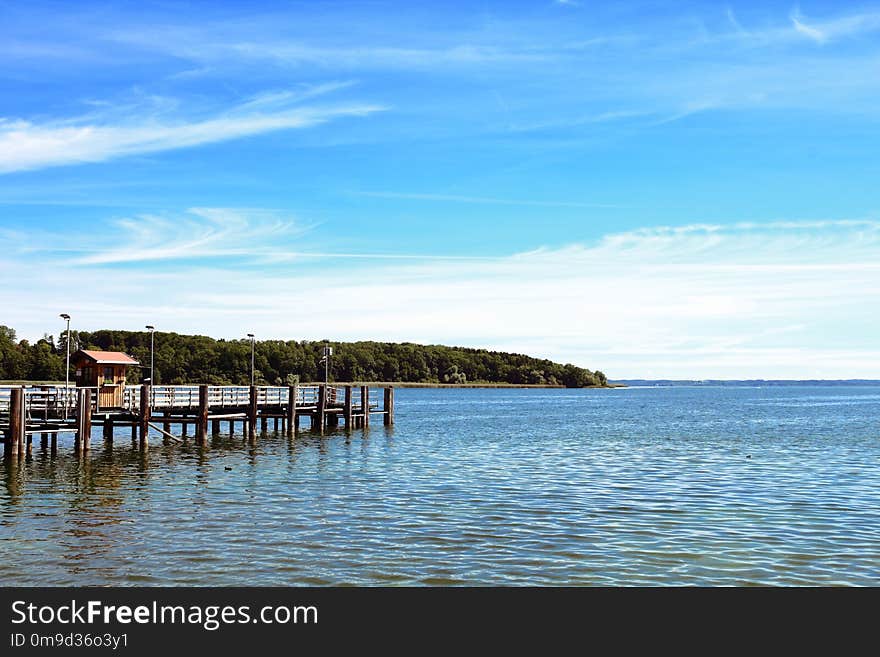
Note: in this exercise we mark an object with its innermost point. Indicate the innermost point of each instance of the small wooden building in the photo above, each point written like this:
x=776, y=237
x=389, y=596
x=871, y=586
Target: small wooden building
x=104, y=370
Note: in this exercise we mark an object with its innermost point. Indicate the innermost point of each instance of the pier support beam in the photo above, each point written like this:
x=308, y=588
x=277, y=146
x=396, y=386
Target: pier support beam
x=389, y=406
x=365, y=403
x=318, y=422
x=14, y=439
x=252, y=414
x=83, y=420
x=346, y=408
x=202, y=419
x=292, y=392
x=108, y=429
x=144, y=416
x=215, y=427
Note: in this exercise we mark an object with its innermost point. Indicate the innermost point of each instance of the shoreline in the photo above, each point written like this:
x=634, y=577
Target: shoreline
x=395, y=384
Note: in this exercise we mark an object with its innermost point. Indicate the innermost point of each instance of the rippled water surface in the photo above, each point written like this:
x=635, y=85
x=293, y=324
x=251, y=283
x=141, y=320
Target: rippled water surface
x=635, y=486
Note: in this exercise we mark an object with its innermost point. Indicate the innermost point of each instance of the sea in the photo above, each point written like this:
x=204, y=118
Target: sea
x=697, y=484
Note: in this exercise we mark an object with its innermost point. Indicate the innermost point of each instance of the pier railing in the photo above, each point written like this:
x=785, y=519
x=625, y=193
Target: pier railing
x=52, y=400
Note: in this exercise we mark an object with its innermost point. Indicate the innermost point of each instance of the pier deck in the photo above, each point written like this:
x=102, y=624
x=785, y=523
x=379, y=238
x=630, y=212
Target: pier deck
x=51, y=410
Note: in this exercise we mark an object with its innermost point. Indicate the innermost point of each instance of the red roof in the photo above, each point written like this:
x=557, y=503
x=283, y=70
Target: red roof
x=109, y=357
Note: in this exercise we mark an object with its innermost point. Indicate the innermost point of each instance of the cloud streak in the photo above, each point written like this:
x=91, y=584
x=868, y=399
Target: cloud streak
x=699, y=301
x=25, y=145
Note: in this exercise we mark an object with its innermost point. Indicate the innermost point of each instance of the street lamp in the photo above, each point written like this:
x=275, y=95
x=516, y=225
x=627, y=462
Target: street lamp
x=65, y=316
x=152, y=330
x=251, y=336
x=328, y=351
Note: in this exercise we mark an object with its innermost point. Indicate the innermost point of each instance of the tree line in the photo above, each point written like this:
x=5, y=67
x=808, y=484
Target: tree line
x=183, y=359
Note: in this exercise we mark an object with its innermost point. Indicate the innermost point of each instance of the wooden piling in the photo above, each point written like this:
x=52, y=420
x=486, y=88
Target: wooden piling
x=365, y=403
x=83, y=439
x=15, y=433
x=292, y=421
x=202, y=420
x=44, y=440
x=389, y=406
x=264, y=423
x=319, y=419
x=108, y=429
x=144, y=415
x=252, y=413
x=346, y=408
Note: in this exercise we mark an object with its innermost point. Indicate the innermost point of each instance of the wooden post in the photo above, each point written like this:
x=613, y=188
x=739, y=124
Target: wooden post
x=14, y=437
x=346, y=408
x=322, y=406
x=215, y=427
x=44, y=440
x=86, y=439
x=144, y=415
x=389, y=406
x=292, y=419
x=252, y=413
x=134, y=432
x=365, y=402
x=231, y=426
x=202, y=420
x=264, y=422
x=54, y=446
x=108, y=429
x=166, y=426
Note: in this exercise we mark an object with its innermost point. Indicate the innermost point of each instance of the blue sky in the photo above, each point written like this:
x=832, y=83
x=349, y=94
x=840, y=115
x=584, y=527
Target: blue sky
x=652, y=189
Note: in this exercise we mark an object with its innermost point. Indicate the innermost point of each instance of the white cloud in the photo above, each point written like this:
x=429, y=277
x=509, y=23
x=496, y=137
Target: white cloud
x=25, y=145
x=783, y=300
x=813, y=33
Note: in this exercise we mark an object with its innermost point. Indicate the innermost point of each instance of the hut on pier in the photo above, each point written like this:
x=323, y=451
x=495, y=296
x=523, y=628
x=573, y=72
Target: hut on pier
x=104, y=371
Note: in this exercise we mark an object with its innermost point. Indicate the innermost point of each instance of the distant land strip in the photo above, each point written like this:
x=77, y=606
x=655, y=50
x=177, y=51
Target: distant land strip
x=190, y=359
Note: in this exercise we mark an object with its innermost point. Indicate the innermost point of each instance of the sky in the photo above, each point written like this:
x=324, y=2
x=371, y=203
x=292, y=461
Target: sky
x=656, y=190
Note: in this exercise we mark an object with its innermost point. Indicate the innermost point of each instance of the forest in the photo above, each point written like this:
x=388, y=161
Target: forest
x=182, y=359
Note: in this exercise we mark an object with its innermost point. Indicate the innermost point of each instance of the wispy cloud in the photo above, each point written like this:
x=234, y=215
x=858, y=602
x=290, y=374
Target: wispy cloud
x=481, y=200
x=26, y=145
x=703, y=300
x=813, y=33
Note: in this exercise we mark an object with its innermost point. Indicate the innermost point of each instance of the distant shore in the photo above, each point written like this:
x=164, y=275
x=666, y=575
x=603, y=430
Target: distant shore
x=396, y=384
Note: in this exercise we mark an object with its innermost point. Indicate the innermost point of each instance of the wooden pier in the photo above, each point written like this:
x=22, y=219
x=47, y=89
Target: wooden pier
x=47, y=411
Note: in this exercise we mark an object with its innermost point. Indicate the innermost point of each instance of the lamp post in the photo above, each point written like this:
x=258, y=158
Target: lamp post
x=152, y=330
x=251, y=336
x=65, y=316
x=328, y=351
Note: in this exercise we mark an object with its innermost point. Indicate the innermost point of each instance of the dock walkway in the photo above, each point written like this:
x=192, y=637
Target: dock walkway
x=26, y=411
